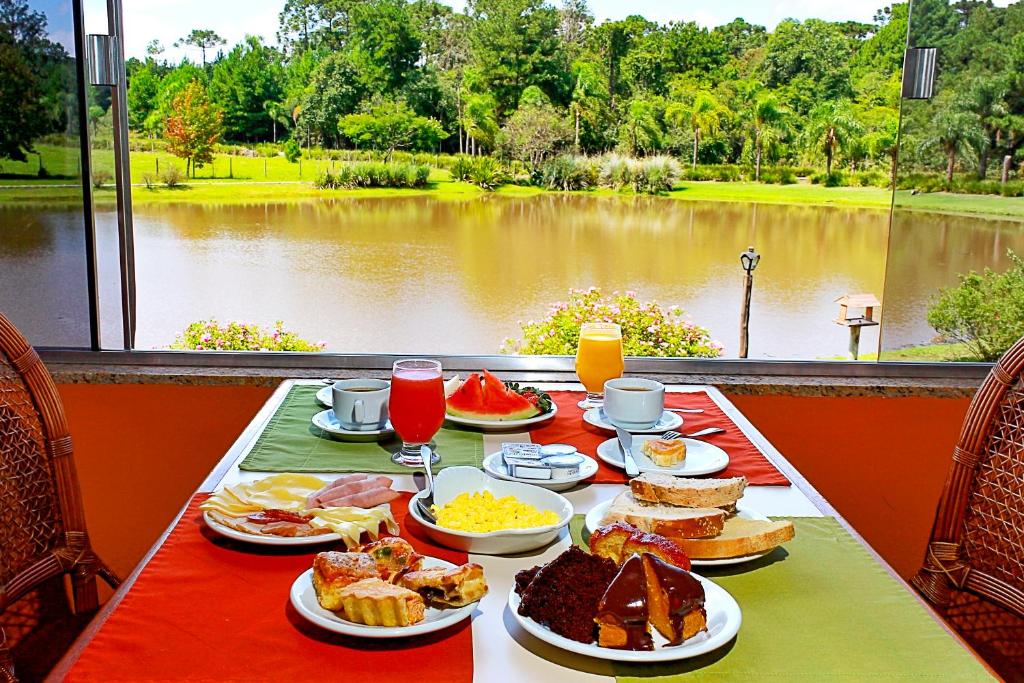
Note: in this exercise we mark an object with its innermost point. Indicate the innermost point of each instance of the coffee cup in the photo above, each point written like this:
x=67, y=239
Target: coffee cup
x=634, y=403
x=361, y=405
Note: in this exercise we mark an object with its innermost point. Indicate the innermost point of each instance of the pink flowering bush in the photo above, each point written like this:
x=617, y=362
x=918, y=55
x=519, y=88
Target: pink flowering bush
x=647, y=328
x=209, y=335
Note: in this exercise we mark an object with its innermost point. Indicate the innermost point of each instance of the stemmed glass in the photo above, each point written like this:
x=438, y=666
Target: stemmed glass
x=416, y=407
x=598, y=359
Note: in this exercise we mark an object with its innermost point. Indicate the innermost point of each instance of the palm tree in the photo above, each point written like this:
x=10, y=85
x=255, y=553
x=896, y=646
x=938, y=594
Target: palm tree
x=768, y=117
x=830, y=128
x=703, y=115
x=954, y=129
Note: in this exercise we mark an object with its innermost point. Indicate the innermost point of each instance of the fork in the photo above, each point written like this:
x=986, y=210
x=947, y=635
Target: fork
x=670, y=435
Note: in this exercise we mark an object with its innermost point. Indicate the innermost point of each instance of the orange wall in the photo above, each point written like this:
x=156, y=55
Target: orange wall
x=141, y=449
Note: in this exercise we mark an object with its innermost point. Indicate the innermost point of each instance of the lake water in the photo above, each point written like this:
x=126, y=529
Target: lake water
x=421, y=275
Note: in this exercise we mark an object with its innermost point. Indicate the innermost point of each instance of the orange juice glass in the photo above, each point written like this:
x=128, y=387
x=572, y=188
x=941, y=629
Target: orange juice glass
x=598, y=359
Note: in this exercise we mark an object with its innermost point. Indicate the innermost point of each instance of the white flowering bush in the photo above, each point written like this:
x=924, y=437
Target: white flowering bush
x=648, y=329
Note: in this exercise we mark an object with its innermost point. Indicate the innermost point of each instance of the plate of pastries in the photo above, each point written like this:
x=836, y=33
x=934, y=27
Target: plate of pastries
x=385, y=589
x=630, y=597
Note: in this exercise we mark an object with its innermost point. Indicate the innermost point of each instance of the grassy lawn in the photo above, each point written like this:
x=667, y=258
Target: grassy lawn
x=929, y=352
x=244, y=180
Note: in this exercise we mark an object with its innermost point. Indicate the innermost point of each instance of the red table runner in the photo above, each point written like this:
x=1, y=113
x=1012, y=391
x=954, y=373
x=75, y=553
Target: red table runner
x=207, y=608
x=744, y=457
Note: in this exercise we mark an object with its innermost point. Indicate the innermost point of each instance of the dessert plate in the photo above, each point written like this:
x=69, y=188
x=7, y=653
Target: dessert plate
x=502, y=425
x=596, y=515
x=267, y=539
x=724, y=618
x=493, y=466
x=303, y=598
x=701, y=457
x=325, y=421
x=325, y=396
x=667, y=421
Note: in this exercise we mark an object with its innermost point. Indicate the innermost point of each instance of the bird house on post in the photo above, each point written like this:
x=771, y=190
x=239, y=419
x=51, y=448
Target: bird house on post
x=857, y=311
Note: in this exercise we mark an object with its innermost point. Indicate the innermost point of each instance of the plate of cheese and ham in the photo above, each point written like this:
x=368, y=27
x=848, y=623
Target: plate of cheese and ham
x=300, y=509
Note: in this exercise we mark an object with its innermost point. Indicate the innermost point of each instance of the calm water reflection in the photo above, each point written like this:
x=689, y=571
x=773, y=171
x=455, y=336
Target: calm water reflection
x=422, y=275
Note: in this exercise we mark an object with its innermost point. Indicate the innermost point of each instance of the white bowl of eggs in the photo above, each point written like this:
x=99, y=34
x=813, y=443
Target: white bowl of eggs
x=479, y=514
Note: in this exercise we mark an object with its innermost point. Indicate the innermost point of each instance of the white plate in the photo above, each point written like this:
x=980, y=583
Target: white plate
x=325, y=396
x=502, y=425
x=268, y=539
x=597, y=513
x=667, y=421
x=326, y=421
x=451, y=481
x=724, y=618
x=496, y=468
x=303, y=597
x=701, y=457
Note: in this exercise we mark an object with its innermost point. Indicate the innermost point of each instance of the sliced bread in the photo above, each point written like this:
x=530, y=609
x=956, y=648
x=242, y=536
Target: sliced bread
x=679, y=522
x=739, y=537
x=656, y=487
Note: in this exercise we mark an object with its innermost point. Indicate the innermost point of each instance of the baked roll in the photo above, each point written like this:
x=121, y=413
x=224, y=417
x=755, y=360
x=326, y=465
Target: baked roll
x=333, y=571
x=450, y=587
x=665, y=452
x=376, y=602
x=393, y=556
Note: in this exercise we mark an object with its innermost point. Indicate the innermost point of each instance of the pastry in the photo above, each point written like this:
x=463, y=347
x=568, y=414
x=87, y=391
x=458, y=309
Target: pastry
x=620, y=540
x=333, y=571
x=661, y=488
x=667, y=520
x=455, y=587
x=665, y=452
x=376, y=602
x=393, y=556
x=563, y=594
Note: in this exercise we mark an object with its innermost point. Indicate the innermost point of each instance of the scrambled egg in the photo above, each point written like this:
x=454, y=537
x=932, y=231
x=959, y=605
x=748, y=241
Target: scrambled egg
x=482, y=512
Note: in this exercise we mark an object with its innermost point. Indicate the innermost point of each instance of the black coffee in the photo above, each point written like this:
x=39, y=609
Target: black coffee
x=634, y=388
x=361, y=389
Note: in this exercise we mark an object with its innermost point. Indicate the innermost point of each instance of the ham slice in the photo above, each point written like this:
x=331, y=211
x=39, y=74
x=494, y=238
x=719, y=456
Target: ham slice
x=367, y=498
x=316, y=499
x=344, y=494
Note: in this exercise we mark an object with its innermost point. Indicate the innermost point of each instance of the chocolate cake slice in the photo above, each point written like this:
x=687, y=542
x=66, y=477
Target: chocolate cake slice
x=564, y=593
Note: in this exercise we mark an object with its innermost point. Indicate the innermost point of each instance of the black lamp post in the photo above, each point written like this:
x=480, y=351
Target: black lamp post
x=749, y=260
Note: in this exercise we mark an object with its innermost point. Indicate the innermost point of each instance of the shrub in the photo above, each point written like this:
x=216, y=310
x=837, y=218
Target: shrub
x=101, y=178
x=648, y=329
x=172, y=176
x=292, y=151
x=209, y=335
x=985, y=311
x=655, y=174
x=833, y=179
x=568, y=172
x=778, y=176
x=869, y=179
x=150, y=180
x=719, y=172
x=615, y=171
x=487, y=173
x=374, y=174
x=461, y=167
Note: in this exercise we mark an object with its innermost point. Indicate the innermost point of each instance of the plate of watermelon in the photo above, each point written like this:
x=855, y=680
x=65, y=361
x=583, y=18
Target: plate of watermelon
x=485, y=402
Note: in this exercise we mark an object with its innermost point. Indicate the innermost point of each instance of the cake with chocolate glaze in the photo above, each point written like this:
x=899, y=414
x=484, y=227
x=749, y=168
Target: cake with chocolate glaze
x=563, y=594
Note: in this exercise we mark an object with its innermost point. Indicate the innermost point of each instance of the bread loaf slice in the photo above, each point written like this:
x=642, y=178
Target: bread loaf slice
x=739, y=537
x=657, y=487
x=667, y=520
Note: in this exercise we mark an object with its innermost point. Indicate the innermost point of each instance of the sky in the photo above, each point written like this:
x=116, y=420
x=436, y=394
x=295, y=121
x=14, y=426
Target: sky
x=167, y=21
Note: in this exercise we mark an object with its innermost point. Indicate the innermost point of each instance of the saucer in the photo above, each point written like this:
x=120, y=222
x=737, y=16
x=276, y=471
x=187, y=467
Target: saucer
x=667, y=421
x=325, y=396
x=326, y=422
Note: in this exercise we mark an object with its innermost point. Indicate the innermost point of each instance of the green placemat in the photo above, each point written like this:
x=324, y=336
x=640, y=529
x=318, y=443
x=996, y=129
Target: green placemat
x=290, y=443
x=819, y=609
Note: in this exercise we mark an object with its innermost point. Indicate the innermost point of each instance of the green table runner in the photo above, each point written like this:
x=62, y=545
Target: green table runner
x=819, y=609
x=290, y=443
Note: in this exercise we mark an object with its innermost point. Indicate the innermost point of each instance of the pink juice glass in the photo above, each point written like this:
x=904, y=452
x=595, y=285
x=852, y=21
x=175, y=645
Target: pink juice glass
x=416, y=407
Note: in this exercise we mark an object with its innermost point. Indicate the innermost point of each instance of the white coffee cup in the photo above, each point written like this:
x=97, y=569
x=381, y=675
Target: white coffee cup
x=634, y=403
x=361, y=404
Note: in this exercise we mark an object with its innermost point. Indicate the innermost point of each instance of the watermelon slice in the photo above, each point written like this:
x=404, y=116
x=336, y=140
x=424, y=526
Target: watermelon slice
x=489, y=399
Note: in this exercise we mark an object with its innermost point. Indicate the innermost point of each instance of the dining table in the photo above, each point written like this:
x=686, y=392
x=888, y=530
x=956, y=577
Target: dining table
x=825, y=606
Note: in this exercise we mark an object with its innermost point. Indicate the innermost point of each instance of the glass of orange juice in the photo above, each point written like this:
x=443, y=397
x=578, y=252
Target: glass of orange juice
x=598, y=359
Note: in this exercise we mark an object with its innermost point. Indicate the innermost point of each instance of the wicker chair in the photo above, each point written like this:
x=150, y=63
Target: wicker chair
x=974, y=568
x=42, y=526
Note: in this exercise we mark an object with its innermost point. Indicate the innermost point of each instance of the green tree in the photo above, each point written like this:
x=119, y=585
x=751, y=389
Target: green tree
x=480, y=121
x=387, y=125
x=954, y=129
x=204, y=39
x=534, y=132
x=241, y=82
x=814, y=49
x=830, y=127
x=641, y=132
x=702, y=114
x=143, y=89
x=768, y=119
x=334, y=90
x=194, y=128
x=383, y=45
x=589, y=98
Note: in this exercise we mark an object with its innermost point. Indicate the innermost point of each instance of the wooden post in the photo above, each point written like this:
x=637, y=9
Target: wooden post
x=231, y=167
x=158, y=167
x=748, y=285
x=1007, y=160
x=855, y=341
x=265, y=167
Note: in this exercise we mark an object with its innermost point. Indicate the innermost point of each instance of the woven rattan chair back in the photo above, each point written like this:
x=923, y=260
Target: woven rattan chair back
x=974, y=567
x=42, y=525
